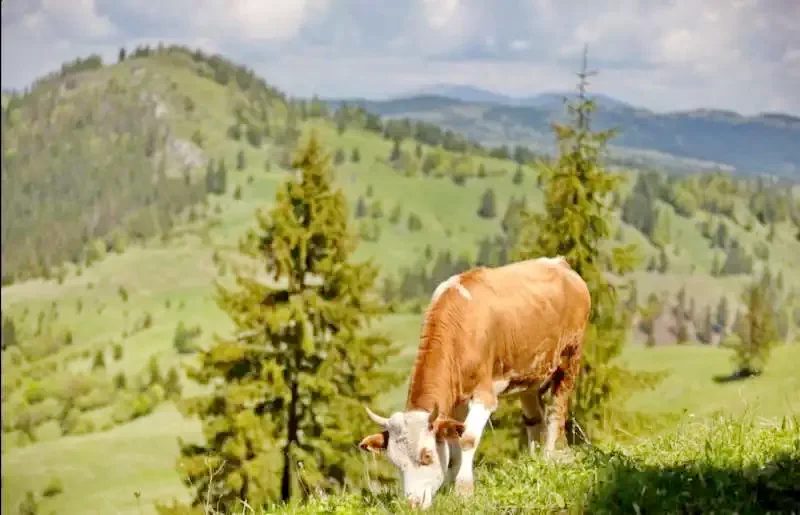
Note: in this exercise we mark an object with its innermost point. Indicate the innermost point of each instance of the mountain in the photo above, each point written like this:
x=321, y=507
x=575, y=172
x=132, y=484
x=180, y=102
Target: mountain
x=126, y=188
x=687, y=140
x=472, y=94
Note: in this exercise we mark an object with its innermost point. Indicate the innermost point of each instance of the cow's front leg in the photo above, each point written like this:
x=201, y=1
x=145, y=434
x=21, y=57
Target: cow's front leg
x=480, y=410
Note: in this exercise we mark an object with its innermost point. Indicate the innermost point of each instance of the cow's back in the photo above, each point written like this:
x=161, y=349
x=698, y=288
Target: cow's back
x=532, y=310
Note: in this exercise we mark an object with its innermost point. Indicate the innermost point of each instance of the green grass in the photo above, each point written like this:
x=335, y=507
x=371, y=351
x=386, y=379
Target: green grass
x=172, y=282
x=718, y=466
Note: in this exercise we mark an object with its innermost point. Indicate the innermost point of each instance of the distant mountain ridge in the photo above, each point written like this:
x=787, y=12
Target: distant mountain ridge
x=700, y=138
x=472, y=94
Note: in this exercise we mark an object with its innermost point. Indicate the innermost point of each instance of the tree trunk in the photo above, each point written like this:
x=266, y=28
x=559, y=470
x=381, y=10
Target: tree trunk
x=291, y=439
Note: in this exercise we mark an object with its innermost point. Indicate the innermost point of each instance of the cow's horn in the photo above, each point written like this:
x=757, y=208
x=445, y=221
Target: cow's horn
x=383, y=422
x=434, y=414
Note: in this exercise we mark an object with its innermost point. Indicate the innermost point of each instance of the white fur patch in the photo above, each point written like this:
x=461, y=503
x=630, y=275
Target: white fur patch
x=451, y=282
x=553, y=260
x=500, y=386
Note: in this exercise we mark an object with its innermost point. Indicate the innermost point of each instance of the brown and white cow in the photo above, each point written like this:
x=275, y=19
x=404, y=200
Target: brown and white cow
x=487, y=332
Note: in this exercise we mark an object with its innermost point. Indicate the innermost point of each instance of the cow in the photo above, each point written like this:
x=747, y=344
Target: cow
x=487, y=332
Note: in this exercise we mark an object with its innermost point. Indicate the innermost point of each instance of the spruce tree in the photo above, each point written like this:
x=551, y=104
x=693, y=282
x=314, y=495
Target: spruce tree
x=487, y=208
x=756, y=331
x=576, y=224
x=286, y=390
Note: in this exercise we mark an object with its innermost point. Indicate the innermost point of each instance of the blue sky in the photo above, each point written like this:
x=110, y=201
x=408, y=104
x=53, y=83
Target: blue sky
x=660, y=54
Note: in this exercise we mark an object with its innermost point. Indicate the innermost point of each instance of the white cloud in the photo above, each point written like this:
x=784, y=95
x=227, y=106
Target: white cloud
x=663, y=54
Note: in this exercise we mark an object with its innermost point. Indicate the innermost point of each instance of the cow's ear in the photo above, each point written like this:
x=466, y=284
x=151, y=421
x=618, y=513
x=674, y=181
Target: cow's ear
x=448, y=429
x=375, y=443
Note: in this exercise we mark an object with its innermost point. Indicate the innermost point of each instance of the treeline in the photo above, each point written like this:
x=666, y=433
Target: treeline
x=656, y=198
x=88, y=171
x=50, y=377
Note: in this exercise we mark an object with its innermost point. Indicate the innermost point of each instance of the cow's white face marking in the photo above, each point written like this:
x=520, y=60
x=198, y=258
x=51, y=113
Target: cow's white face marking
x=419, y=455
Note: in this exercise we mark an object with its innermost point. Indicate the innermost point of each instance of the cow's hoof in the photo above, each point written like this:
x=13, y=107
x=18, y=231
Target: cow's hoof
x=465, y=488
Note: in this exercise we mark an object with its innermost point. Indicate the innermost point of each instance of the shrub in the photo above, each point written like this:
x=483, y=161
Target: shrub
x=183, y=340
x=97, y=398
x=53, y=488
x=116, y=351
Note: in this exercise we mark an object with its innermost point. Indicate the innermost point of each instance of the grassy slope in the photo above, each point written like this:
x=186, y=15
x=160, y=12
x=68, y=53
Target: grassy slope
x=720, y=466
x=110, y=466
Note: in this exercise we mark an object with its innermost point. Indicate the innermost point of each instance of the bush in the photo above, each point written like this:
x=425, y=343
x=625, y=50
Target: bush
x=53, y=488
x=116, y=351
x=97, y=398
x=183, y=340
x=120, y=381
x=130, y=406
x=34, y=393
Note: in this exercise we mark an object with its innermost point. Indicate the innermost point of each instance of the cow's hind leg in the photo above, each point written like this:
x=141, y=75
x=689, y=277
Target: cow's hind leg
x=562, y=387
x=532, y=417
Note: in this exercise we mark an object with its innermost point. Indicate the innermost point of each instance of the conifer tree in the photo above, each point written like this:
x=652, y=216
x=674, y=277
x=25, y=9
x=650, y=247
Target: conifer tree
x=707, y=326
x=287, y=389
x=576, y=224
x=756, y=331
x=487, y=208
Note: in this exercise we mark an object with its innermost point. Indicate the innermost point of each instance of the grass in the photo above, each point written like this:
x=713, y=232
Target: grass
x=172, y=281
x=141, y=456
x=714, y=466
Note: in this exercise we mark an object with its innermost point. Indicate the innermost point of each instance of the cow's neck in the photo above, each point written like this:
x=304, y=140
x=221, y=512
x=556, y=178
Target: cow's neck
x=434, y=379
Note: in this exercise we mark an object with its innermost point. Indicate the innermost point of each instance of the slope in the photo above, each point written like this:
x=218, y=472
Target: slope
x=89, y=377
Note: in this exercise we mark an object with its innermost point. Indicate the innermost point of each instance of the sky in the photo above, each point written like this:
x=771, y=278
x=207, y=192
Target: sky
x=741, y=55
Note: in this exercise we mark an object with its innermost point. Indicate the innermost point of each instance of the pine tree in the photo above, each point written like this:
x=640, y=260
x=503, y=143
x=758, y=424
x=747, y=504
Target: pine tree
x=707, y=326
x=289, y=387
x=722, y=313
x=576, y=224
x=487, y=209
x=518, y=177
x=756, y=331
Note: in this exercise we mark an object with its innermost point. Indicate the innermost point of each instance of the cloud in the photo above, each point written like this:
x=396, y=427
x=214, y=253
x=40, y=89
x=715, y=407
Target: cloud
x=662, y=54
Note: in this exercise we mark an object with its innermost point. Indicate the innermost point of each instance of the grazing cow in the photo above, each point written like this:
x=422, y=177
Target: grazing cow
x=487, y=332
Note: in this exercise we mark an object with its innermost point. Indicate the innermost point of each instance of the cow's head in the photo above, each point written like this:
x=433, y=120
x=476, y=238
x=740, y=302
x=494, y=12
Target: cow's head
x=416, y=443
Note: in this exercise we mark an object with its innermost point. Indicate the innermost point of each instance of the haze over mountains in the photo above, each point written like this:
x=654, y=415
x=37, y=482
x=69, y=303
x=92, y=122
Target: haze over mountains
x=678, y=141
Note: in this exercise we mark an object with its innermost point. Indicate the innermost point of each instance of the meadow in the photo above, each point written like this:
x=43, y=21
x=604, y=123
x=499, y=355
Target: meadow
x=134, y=300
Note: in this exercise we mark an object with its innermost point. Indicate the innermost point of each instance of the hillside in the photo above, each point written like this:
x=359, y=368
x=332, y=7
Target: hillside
x=679, y=141
x=117, y=238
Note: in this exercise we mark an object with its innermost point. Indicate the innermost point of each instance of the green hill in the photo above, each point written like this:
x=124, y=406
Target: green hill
x=123, y=185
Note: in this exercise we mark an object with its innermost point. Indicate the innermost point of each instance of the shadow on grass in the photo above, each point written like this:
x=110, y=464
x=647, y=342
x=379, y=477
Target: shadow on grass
x=739, y=375
x=627, y=486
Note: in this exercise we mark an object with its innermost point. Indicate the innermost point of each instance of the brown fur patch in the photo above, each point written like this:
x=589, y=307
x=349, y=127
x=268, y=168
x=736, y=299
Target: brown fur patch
x=375, y=443
x=447, y=429
x=522, y=323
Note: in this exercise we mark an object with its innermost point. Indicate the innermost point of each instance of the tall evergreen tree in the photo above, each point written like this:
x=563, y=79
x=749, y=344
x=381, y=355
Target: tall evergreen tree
x=286, y=390
x=487, y=208
x=756, y=331
x=576, y=224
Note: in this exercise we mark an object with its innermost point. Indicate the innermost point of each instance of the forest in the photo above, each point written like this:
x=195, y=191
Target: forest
x=205, y=281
